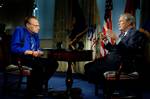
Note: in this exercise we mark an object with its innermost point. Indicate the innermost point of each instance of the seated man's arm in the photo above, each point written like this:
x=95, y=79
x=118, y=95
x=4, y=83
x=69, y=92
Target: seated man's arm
x=17, y=46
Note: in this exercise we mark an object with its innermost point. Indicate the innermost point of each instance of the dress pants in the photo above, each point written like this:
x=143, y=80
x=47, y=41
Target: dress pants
x=42, y=70
x=94, y=70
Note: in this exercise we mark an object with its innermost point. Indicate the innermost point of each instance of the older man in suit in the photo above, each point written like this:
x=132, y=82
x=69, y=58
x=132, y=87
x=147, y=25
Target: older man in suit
x=126, y=45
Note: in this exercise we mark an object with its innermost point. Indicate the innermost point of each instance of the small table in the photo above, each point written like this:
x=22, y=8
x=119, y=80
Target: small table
x=69, y=56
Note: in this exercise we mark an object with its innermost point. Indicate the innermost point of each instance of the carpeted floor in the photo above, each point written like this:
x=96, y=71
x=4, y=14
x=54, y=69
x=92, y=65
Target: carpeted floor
x=57, y=84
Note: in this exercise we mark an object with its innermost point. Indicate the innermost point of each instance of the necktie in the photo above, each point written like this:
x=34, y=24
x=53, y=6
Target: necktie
x=32, y=43
x=120, y=37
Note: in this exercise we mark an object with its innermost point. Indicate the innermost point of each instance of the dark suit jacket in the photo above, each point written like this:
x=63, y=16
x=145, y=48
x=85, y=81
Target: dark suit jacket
x=123, y=53
x=127, y=49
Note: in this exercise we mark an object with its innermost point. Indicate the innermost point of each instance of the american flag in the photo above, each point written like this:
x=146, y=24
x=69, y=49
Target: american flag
x=96, y=44
x=107, y=25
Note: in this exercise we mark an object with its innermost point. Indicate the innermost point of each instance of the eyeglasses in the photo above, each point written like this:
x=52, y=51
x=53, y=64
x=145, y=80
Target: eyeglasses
x=34, y=24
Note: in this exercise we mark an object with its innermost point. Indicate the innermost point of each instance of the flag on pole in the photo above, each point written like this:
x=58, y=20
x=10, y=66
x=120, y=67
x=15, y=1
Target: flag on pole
x=97, y=45
x=94, y=30
x=107, y=25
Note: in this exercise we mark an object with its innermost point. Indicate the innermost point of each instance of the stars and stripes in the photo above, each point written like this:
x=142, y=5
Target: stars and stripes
x=107, y=27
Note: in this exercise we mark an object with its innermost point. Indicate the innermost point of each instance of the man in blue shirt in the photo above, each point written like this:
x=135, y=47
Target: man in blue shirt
x=26, y=44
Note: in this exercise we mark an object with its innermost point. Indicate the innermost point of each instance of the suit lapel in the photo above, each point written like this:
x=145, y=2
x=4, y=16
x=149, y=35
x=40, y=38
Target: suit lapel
x=128, y=35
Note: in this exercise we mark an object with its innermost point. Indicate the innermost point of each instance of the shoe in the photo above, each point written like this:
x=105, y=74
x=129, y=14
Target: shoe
x=128, y=97
x=76, y=91
x=39, y=95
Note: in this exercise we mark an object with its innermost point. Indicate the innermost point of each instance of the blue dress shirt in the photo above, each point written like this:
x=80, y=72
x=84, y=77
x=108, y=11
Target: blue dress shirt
x=21, y=40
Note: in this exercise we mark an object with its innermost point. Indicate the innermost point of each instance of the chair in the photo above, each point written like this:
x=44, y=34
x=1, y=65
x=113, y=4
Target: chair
x=14, y=76
x=112, y=78
x=19, y=72
x=14, y=68
x=115, y=81
x=121, y=84
x=11, y=70
x=129, y=82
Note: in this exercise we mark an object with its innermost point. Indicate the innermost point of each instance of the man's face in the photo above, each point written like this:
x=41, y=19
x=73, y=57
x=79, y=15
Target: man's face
x=123, y=24
x=33, y=25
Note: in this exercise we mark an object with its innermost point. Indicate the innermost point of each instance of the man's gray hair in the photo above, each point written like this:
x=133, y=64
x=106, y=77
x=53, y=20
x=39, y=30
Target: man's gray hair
x=129, y=17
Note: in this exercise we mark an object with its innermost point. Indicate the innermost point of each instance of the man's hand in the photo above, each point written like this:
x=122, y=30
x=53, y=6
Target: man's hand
x=112, y=35
x=103, y=37
x=34, y=53
x=37, y=53
x=28, y=52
